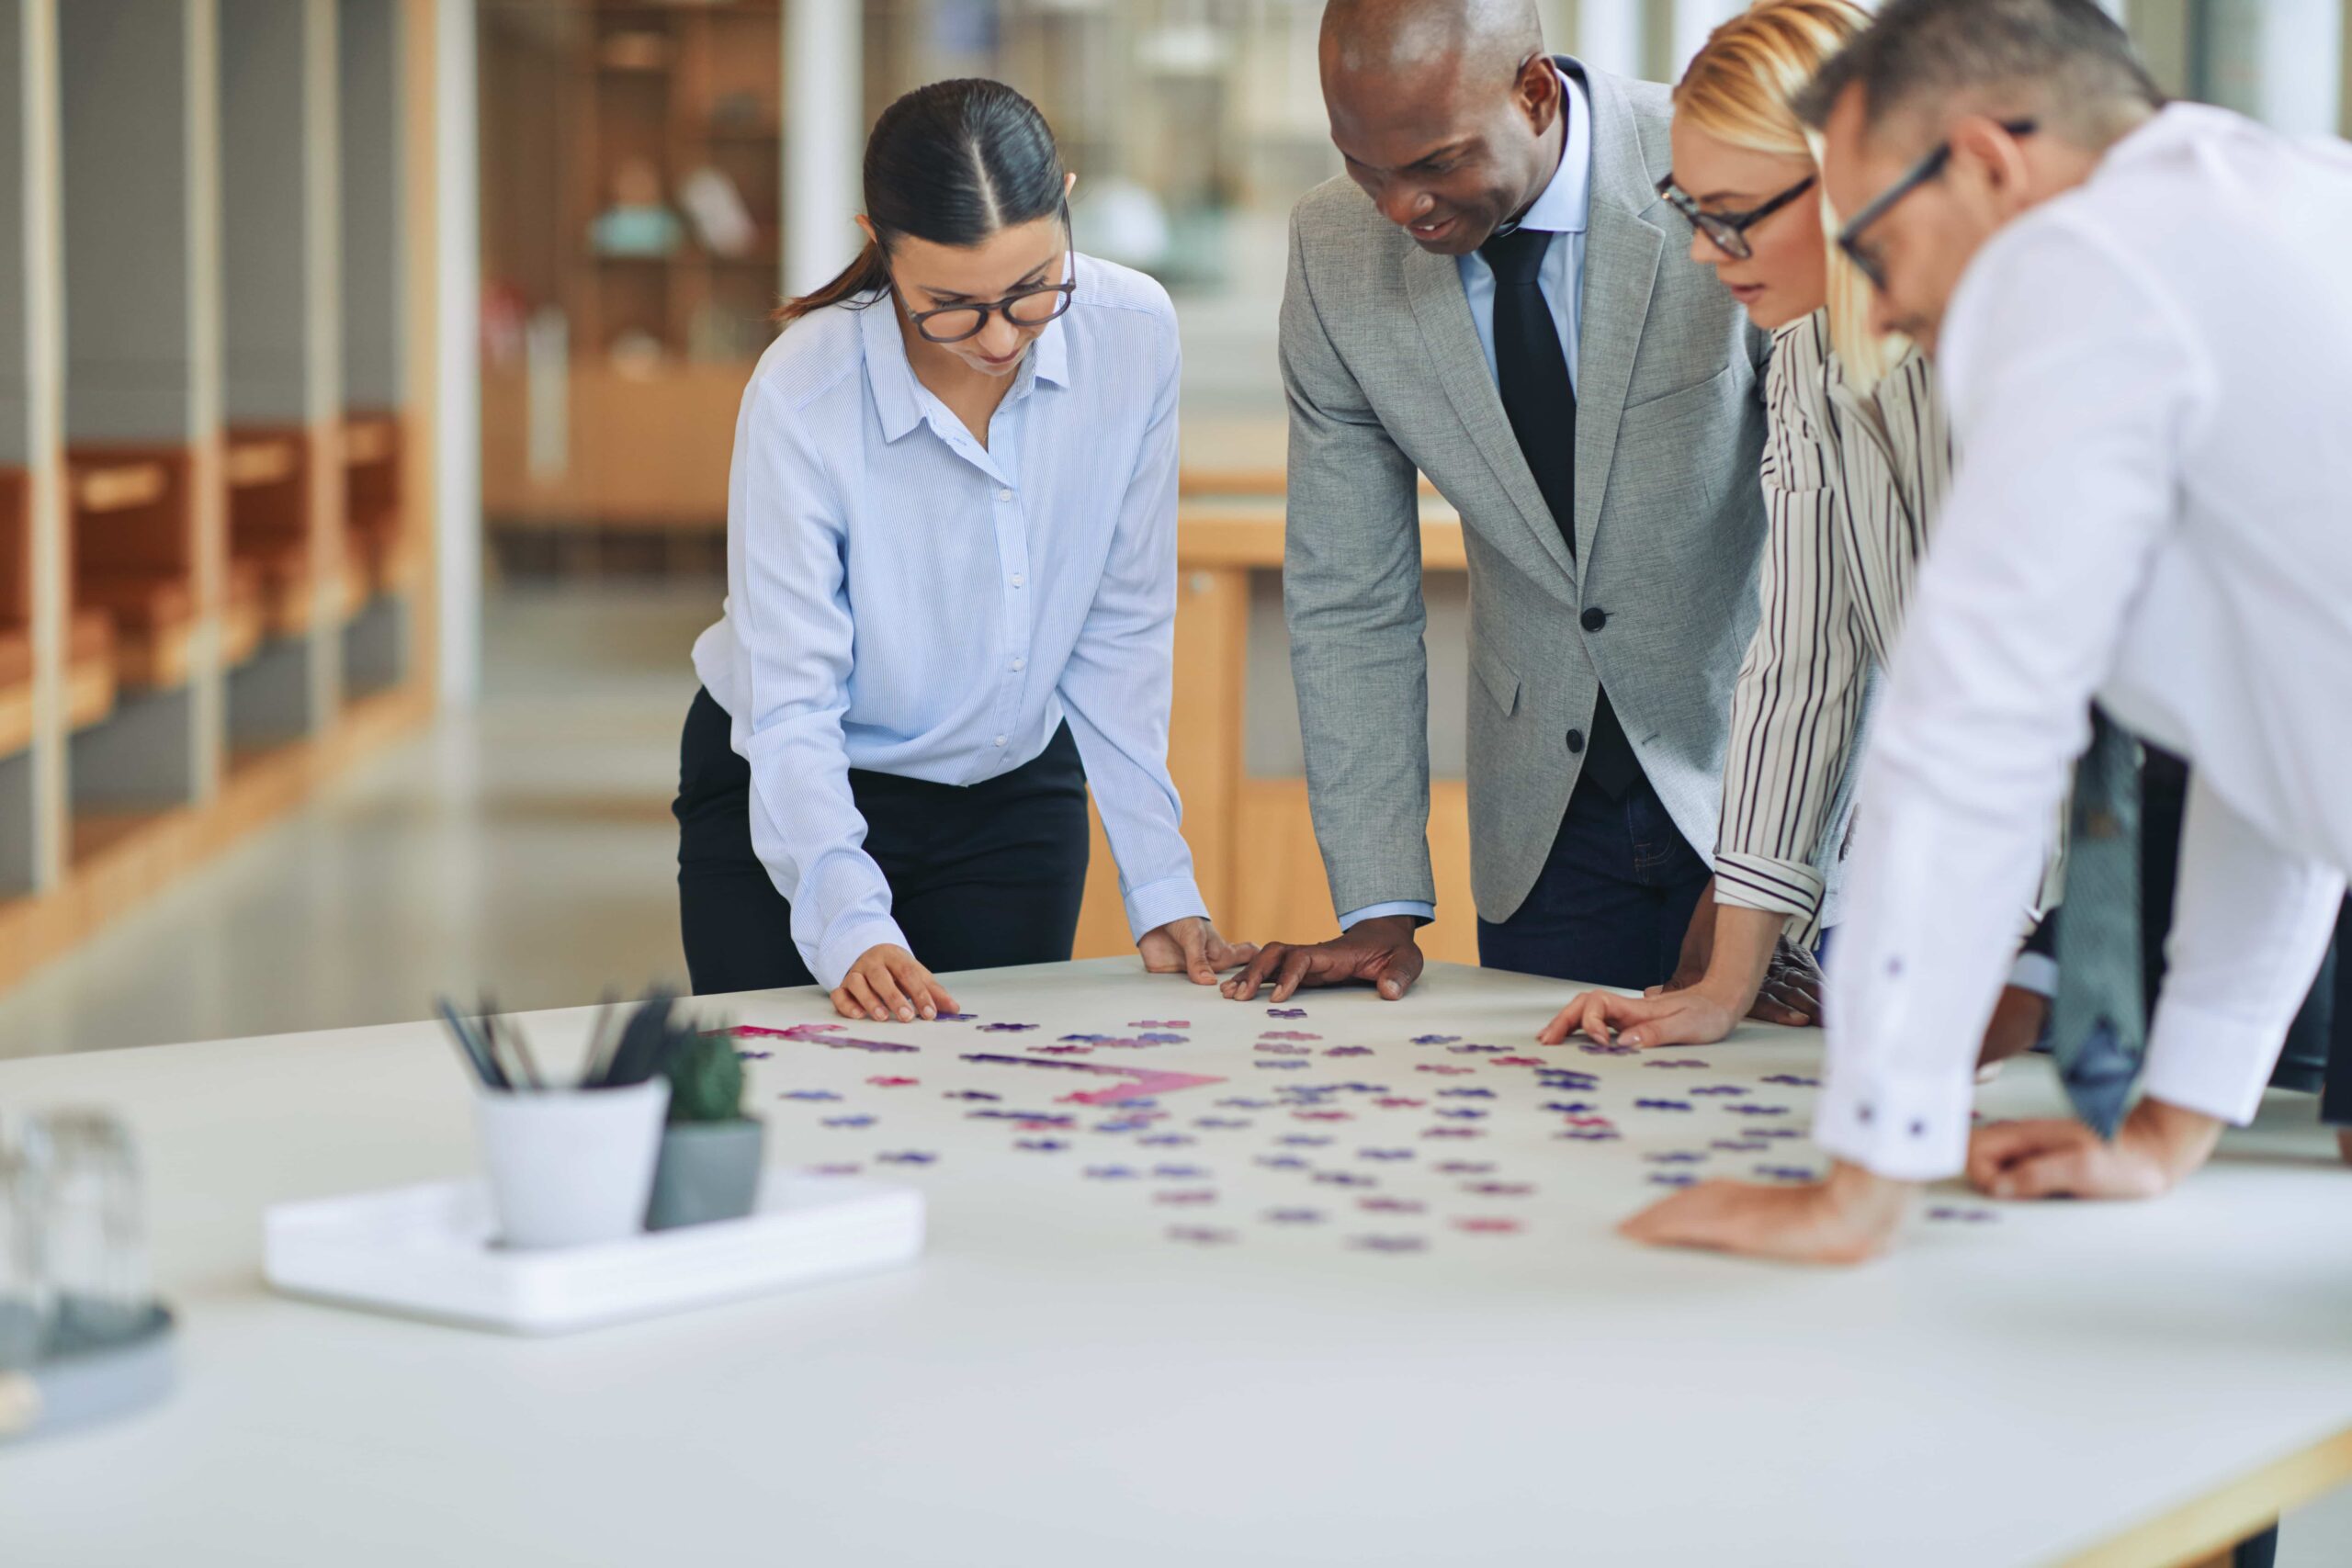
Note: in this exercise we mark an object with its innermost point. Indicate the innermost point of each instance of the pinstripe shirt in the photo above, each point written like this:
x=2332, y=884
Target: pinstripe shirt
x=1852, y=481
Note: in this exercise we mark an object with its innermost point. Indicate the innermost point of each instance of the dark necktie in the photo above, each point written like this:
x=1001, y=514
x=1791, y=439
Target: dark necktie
x=2098, y=1026
x=1532, y=373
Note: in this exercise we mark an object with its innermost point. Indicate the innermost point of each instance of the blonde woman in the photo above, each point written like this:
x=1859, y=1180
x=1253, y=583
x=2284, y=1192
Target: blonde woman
x=1855, y=466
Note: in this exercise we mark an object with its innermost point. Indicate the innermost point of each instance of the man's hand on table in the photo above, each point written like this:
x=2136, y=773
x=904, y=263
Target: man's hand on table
x=1380, y=953
x=1847, y=1219
x=2157, y=1145
x=1853, y=1214
x=1191, y=947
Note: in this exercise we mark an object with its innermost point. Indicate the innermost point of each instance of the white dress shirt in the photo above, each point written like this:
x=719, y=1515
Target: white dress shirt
x=903, y=599
x=1562, y=211
x=2148, y=382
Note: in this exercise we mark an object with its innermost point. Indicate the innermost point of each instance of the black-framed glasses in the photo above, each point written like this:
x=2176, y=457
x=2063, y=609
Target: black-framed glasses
x=1850, y=238
x=1022, y=307
x=1727, y=230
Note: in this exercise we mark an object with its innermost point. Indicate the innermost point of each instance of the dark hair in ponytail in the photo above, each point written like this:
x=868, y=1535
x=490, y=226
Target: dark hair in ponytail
x=951, y=163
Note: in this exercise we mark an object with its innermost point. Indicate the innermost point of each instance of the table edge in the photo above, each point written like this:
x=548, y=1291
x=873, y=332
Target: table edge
x=2212, y=1524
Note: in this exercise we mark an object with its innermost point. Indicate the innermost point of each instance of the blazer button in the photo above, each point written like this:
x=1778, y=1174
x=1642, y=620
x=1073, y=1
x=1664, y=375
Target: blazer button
x=1576, y=741
x=1596, y=618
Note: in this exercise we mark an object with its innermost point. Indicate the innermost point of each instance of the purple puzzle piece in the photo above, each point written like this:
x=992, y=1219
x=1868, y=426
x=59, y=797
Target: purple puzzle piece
x=1202, y=1235
x=1388, y=1242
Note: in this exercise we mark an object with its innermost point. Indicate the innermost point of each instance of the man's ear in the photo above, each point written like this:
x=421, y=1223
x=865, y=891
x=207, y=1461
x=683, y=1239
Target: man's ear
x=1538, y=91
x=1987, y=159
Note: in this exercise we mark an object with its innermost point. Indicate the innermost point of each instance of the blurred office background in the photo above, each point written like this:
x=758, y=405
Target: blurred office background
x=368, y=376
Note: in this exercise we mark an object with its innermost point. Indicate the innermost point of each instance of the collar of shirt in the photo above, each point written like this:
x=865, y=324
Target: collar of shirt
x=1566, y=206
x=903, y=401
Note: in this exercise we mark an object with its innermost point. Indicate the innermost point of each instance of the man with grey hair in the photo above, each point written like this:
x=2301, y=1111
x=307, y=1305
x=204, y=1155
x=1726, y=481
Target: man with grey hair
x=2140, y=324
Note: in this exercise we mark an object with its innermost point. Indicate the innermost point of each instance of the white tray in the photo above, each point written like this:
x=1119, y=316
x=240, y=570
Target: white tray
x=428, y=1252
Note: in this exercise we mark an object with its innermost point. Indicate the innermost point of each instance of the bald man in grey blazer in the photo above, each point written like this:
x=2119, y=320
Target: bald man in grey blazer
x=1492, y=296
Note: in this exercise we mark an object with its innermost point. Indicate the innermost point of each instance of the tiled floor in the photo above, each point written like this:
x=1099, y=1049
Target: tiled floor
x=526, y=847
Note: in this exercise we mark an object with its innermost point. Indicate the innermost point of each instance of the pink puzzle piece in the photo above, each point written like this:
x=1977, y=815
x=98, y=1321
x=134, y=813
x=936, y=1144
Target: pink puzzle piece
x=1142, y=1083
x=820, y=1034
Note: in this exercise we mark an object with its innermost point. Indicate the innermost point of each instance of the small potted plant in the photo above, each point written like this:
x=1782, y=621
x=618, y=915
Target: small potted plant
x=711, y=1151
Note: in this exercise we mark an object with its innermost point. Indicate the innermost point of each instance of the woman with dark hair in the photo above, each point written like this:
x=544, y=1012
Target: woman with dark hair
x=951, y=575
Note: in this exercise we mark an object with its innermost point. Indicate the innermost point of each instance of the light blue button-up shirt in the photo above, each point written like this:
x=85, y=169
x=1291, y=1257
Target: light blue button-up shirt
x=1563, y=211
x=901, y=598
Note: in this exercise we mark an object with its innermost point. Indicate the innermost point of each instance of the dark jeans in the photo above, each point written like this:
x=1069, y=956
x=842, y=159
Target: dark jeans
x=980, y=877
x=1614, y=898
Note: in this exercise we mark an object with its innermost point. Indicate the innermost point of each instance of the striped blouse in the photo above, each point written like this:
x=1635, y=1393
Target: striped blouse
x=1852, y=482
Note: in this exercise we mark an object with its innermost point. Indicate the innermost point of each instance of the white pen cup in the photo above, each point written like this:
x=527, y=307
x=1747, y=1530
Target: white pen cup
x=568, y=1168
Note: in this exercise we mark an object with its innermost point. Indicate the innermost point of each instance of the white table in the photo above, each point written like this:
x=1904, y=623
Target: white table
x=1058, y=1382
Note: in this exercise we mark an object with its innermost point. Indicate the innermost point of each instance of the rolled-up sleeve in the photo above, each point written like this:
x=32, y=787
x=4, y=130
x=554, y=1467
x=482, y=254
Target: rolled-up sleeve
x=1116, y=688
x=1798, y=706
x=786, y=582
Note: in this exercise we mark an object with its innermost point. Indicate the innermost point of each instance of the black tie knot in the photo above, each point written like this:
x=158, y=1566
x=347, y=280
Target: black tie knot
x=1517, y=257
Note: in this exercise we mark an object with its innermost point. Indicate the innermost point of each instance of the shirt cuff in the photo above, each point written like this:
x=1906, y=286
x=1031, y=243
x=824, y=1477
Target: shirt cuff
x=1911, y=1127
x=1760, y=882
x=2214, y=1063
x=2035, y=972
x=831, y=963
x=1155, y=904
x=1422, y=912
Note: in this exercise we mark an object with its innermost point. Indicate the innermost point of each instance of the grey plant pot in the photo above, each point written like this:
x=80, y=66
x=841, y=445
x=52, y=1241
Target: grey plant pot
x=708, y=1170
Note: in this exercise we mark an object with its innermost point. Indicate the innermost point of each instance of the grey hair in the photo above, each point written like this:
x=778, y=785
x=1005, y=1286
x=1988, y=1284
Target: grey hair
x=2067, y=64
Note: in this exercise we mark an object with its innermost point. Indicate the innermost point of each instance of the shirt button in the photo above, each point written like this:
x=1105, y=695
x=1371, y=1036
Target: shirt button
x=1576, y=741
x=1020, y=664
x=1595, y=618
x=1000, y=740
x=1018, y=580
x=1004, y=495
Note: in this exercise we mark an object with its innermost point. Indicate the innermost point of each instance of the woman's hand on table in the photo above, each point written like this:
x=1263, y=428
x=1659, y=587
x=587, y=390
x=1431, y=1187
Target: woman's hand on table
x=1699, y=1016
x=1191, y=947
x=887, y=983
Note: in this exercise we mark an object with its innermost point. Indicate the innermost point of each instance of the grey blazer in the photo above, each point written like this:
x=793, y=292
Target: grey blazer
x=1384, y=375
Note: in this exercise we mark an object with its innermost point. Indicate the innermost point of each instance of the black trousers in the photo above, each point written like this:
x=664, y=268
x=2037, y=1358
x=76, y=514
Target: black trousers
x=980, y=877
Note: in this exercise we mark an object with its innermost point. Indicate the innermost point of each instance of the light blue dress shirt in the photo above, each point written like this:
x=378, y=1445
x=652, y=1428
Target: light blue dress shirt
x=1562, y=211
x=903, y=599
